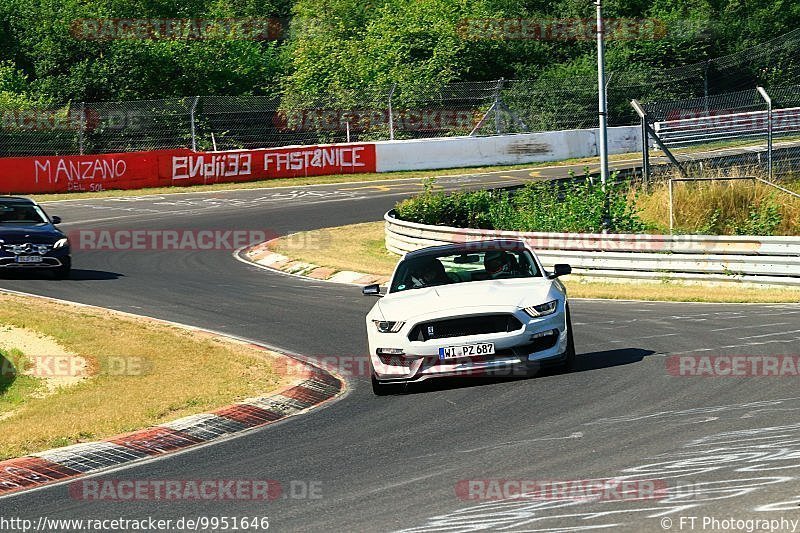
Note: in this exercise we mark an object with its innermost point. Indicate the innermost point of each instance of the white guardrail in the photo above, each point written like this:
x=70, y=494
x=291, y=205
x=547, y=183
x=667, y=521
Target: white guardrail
x=750, y=259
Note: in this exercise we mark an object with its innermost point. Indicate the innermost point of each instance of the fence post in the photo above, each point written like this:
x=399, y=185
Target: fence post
x=391, y=116
x=192, y=122
x=81, y=126
x=497, y=121
x=645, y=142
x=767, y=99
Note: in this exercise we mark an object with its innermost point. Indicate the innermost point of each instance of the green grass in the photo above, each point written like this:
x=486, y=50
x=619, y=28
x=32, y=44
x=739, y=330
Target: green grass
x=175, y=372
x=15, y=387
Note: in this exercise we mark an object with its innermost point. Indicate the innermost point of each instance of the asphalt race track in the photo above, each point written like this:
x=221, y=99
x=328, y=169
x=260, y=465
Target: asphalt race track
x=726, y=447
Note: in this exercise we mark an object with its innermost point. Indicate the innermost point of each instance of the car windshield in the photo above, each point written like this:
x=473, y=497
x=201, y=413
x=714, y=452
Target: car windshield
x=442, y=269
x=11, y=213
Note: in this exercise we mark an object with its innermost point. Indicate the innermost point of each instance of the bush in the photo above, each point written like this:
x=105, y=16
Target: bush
x=574, y=206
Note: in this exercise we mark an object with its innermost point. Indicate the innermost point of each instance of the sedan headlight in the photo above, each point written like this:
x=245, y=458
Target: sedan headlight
x=537, y=311
x=388, y=326
x=60, y=243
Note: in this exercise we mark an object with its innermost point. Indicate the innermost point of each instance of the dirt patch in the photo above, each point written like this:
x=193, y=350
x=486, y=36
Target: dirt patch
x=44, y=357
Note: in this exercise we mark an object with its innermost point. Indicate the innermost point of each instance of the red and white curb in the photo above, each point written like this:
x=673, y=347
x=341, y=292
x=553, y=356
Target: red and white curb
x=262, y=256
x=313, y=388
x=61, y=464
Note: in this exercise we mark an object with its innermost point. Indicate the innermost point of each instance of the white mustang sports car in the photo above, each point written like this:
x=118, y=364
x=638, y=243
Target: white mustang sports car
x=467, y=309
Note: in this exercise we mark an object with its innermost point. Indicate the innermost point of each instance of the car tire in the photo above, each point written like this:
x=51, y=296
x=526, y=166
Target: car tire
x=570, y=357
x=64, y=270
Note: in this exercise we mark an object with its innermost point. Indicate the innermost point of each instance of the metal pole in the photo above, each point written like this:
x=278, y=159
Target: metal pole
x=191, y=120
x=81, y=126
x=645, y=141
x=671, y=214
x=645, y=153
x=767, y=98
x=391, y=116
x=482, y=121
x=497, y=123
x=640, y=111
x=601, y=95
x=347, y=126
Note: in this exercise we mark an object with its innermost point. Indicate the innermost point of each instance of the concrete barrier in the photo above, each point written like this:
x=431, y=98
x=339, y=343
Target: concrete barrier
x=752, y=259
x=180, y=167
x=453, y=152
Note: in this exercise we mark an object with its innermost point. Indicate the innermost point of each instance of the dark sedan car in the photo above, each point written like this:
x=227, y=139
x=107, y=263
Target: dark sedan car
x=29, y=238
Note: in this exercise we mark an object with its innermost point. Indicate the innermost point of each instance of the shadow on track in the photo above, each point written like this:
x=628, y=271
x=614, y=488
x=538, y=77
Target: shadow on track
x=586, y=362
x=77, y=274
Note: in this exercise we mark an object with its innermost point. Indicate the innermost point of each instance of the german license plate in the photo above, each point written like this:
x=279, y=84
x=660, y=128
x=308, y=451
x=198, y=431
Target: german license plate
x=466, y=350
x=29, y=259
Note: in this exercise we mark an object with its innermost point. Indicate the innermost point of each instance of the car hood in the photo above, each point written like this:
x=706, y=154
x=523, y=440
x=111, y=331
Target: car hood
x=34, y=233
x=476, y=294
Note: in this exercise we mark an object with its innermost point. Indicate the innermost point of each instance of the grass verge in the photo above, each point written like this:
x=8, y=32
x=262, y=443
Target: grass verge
x=146, y=373
x=366, y=253
x=15, y=388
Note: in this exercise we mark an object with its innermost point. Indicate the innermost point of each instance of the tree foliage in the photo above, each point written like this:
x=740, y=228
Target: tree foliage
x=348, y=48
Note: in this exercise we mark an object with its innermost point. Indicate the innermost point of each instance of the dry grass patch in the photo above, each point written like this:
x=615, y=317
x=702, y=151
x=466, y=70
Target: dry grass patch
x=145, y=373
x=361, y=247
x=676, y=291
x=358, y=247
x=723, y=208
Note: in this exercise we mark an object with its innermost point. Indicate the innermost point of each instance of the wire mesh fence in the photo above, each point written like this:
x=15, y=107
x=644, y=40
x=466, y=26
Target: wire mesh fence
x=383, y=112
x=751, y=132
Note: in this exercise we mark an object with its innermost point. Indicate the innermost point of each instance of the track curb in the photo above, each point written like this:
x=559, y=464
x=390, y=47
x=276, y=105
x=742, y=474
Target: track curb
x=261, y=256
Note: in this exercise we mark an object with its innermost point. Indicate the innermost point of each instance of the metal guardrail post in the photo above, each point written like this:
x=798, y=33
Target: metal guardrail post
x=192, y=122
x=767, y=99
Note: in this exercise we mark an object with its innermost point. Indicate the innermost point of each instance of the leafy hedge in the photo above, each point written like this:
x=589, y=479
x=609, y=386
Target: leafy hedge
x=574, y=206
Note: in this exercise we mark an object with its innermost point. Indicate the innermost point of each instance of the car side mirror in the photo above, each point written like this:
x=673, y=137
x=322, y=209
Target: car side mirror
x=372, y=290
x=56, y=220
x=560, y=270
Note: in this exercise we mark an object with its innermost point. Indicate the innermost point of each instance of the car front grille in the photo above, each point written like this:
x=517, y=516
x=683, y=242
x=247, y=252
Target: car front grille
x=463, y=327
x=27, y=248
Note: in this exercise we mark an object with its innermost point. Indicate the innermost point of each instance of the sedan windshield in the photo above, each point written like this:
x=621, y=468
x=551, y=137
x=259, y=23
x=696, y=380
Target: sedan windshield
x=21, y=214
x=432, y=270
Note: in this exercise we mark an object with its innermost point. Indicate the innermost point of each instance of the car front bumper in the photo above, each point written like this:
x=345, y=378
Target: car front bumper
x=539, y=343
x=52, y=259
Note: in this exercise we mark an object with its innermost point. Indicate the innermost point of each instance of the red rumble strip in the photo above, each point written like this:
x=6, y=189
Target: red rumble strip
x=77, y=460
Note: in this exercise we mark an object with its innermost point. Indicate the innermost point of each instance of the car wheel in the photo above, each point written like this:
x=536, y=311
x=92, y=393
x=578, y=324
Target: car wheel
x=571, y=357
x=63, y=271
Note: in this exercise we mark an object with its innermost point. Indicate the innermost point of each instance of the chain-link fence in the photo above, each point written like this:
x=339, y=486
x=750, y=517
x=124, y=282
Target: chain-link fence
x=751, y=132
x=395, y=112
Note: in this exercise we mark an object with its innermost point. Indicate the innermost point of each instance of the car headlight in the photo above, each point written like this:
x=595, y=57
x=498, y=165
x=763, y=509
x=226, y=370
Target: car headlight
x=60, y=243
x=542, y=310
x=388, y=326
